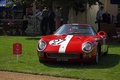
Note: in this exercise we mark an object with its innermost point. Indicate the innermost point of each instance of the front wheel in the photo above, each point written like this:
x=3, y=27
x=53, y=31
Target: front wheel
x=106, y=53
x=96, y=60
x=41, y=61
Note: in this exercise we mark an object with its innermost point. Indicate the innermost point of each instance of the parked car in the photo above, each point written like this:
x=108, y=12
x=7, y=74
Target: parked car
x=73, y=43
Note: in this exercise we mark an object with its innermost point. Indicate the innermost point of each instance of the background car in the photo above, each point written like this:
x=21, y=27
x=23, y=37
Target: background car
x=73, y=43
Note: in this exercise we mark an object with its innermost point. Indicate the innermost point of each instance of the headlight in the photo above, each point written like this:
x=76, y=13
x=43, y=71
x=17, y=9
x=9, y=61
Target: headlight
x=41, y=45
x=87, y=47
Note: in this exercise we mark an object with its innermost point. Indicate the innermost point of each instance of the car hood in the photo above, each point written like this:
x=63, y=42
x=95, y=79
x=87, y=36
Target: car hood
x=65, y=43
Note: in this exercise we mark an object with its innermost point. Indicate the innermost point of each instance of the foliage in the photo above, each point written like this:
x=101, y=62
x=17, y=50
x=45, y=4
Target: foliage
x=78, y=5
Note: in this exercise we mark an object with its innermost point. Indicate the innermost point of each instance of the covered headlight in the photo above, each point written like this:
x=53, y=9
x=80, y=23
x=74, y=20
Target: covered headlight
x=87, y=47
x=41, y=45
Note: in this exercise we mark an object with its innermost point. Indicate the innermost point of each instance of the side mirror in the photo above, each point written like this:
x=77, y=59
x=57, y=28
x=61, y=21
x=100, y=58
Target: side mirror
x=102, y=33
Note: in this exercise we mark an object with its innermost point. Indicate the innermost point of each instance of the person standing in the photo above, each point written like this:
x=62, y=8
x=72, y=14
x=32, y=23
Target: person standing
x=25, y=23
x=106, y=17
x=58, y=17
x=118, y=19
x=39, y=15
x=51, y=17
x=99, y=17
x=39, y=18
x=44, y=22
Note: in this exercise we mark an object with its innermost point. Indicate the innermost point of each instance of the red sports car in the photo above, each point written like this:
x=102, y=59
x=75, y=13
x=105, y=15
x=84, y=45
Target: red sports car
x=73, y=43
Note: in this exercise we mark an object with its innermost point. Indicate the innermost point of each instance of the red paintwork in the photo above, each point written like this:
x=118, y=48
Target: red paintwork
x=74, y=45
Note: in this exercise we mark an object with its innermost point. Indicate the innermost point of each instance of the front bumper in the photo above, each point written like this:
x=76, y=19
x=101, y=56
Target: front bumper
x=71, y=57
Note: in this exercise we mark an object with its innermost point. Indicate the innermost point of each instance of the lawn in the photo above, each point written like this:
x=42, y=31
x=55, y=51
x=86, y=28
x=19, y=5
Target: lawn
x=107, y=69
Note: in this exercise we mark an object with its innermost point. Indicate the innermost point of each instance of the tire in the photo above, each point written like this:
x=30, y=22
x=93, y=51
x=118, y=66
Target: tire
x=106, y=53
x=41, y=61
x=96, y=60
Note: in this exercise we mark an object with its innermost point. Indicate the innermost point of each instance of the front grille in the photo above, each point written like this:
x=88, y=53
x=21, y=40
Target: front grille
x=62, y=55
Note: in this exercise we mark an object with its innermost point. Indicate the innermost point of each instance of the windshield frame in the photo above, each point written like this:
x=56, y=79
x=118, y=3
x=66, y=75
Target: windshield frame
x=83, y=30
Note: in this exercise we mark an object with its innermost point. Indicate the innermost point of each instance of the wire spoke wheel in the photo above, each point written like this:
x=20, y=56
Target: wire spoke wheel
x=96, y=60
x=97, y=54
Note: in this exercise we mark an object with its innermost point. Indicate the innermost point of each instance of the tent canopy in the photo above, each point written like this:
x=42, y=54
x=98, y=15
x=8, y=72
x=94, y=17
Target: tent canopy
x=7, y=8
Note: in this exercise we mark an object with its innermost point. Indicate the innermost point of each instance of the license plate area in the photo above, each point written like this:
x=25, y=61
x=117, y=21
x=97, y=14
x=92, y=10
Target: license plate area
x=62, y=59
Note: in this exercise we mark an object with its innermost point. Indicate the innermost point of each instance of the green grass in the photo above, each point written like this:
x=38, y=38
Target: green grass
x=107, y=69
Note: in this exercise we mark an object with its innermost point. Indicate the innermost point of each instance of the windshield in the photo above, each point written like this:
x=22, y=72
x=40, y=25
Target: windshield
x=75, y=30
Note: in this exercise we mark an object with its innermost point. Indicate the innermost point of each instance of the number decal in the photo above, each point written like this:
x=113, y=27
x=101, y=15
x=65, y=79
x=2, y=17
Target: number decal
x=56, y=42
x=62, y=43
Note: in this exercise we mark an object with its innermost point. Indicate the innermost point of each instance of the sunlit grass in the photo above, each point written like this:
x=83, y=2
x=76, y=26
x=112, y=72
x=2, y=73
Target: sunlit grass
x=108, y=68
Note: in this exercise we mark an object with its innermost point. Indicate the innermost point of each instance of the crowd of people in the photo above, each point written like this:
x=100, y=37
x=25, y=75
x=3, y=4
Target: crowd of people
x=102, y=17
x=49, y=20
x=106, y=17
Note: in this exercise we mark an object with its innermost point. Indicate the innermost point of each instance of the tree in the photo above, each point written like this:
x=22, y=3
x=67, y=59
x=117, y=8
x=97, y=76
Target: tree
x=77, y=5
x=72, y=3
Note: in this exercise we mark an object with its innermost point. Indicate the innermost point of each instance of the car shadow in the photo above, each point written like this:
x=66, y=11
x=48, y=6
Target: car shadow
x=108, y=61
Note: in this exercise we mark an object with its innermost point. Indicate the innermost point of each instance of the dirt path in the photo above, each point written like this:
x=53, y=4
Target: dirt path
x=21, y=76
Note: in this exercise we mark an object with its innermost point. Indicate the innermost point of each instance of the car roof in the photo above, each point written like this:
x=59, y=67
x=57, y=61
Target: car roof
x=86, y=25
